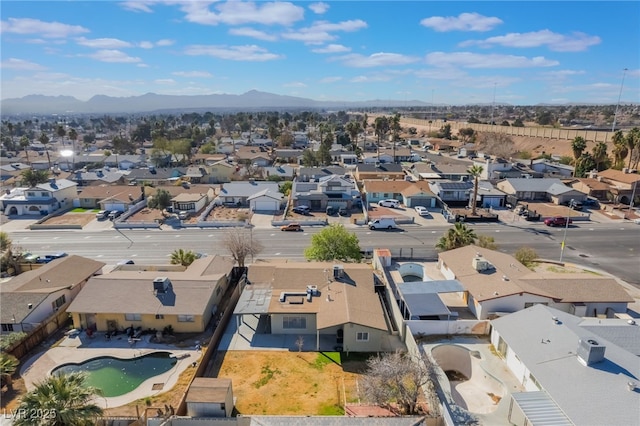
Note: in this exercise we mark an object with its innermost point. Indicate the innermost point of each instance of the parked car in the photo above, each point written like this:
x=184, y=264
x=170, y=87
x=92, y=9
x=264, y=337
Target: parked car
x=102, y=214
x=331, y=210
x=557, y=221
x=305, y=210
x=183, y=215
x=126, y=262
x=422, y=211
x=343, y=211
x=293, y=227
x=49, y=257
x=394, y=204
x=114, y=214
x=30, y=257
x=383, y=223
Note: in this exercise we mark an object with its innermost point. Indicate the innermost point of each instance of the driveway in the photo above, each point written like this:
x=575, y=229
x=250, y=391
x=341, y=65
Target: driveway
x=262, y=220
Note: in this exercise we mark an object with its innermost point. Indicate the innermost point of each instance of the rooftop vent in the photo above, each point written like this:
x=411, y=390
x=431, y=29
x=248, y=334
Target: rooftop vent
x=161, y=285
x=590, y=351
x=479, y=263
x=338, y=271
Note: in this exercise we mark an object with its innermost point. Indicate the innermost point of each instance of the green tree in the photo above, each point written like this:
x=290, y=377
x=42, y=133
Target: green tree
x=309, y=158
x=584, y=165
x=381, y=126
x=61, y=132
x=467, y=134
x=365, y=124
x=182, y=257
x=24, y=144
x=334, y=243
x=8, y=366
x=475, y=172
x=66, y=397
x=545, y=118
x=620, y=149
x=285, y=187
x=487, y=242
x=34, y=177
x=517, y=123
x=354, y=128
x=161, y=200
x=526, y=256
x=456, y=237
x=578, y=145
x=445, y=132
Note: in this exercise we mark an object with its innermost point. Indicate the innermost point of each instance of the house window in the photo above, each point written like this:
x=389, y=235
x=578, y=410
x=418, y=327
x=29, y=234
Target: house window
x=159, y=316
x=133, y=317
x=7, y=327
x=31, y=194
x=294, y=323
x=58, y=302
x=186, y=318
x=535, y=382
x=530, y=304
x=44, y=194
x=362, y=336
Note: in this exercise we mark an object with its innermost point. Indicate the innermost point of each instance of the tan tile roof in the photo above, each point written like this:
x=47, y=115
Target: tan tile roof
x=175, y=190
x=417, y=188
x=492, y=285
x=348, y=300
x=391, y=186
x=619, y=176
x=108, y=191
x=65, y=272
x=595, y=184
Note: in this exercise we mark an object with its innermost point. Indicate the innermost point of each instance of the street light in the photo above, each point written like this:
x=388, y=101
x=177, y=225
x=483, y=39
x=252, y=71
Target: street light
x=615, y=115
x=493, y=104
x=566, y=225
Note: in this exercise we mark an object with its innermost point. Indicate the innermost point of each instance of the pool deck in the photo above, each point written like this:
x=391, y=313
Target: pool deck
x=80, y=348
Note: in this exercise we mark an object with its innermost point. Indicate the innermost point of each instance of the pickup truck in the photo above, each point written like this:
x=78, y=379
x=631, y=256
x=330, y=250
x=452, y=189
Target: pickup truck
x=557, y=221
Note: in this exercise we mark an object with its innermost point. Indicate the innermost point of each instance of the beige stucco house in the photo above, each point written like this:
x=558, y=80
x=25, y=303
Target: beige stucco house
x=148, y=299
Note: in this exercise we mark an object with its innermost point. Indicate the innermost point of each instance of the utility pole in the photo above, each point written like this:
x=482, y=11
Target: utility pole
x=493, y=104
x=615, y=115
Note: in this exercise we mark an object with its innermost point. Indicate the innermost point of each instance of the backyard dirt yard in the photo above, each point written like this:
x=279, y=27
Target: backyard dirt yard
x=229, y=213
x=290, y=383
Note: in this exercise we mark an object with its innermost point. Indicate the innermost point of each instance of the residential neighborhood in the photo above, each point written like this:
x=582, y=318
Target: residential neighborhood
x=454, y=264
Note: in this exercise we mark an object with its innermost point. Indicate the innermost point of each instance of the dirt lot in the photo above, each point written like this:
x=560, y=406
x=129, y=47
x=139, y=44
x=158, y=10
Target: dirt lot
x=229, y=213
x=146, y=215
x=289, y=383
x=72, y=218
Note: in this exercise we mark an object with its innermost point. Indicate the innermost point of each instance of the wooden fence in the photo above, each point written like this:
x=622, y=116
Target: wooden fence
x=39, y=334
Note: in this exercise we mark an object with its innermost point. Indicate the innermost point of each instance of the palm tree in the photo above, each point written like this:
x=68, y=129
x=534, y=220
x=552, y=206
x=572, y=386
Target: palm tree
x=34, y=177
x=8, y=366
x=365, y=124
x=24, y=144
x=66, y=397
x=182, y=257
x=475, y=171
x=620, y=149
x=633, y=141
x=578, y=145
x=599, y=154
x=354, y=128
x=456, y=237
x=73, y=135
x=381, y=128
x=44, y=140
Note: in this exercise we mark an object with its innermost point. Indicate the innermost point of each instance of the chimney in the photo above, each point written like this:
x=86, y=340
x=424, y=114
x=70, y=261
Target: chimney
x=590, y=352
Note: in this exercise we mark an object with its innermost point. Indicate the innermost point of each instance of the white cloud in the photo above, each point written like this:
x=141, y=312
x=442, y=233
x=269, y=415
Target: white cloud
x=164, y=81
x=238, y=13
x=193, y=74
x=376, y=60
x=250, y=53
x=145, y=45
x=330, y=79
x=165, y=42
x=20, y=64
x=44, y=29
x=370, y=78
x=319, y=8
x=574, y=42
x=295, y=84
x=562, y=73
x=251, y=32
x=332, y=48
x=463, y=22
x=103, y=43
x=477, y=60
x=113, y=56
x=138, y=6
x=320, y=32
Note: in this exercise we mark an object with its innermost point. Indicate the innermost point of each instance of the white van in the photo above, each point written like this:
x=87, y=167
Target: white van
x=383, y=223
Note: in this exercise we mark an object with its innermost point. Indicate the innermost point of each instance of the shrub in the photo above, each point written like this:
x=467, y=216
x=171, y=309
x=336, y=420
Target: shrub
x=526, y=256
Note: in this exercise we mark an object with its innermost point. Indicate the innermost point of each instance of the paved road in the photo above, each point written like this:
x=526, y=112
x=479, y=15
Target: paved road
x=613, y=248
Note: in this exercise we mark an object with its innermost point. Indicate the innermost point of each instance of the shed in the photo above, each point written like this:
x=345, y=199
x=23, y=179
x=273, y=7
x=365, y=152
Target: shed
x=210, y=397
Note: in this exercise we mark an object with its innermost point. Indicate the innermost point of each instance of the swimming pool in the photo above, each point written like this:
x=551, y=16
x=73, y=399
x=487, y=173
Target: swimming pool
x=116, y=376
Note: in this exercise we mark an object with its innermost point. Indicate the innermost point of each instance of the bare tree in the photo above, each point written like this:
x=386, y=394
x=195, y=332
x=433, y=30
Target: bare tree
x=497, y=144
x=396, y=377
x=241, y=244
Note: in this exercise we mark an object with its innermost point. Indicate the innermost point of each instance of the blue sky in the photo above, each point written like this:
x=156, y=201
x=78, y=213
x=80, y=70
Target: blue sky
x=515, y=52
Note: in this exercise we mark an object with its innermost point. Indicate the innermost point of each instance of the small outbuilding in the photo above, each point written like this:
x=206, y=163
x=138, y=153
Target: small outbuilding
x=210, y=397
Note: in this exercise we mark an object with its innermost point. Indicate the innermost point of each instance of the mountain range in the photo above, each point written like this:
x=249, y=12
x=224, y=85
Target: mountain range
x=151, y=102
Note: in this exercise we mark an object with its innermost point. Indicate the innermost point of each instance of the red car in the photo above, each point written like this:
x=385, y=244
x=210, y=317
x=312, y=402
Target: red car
x=294, y=227
x=557, y=221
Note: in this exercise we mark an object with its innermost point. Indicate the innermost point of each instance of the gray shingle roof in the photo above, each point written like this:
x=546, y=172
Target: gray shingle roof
x=533, y=185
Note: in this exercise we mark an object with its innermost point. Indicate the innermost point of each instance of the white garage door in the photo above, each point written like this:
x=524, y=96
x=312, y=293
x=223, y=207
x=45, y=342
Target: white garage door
x=264, y=205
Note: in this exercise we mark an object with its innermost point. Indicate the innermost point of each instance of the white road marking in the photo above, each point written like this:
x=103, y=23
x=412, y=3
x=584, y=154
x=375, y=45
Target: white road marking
x=277, y=254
